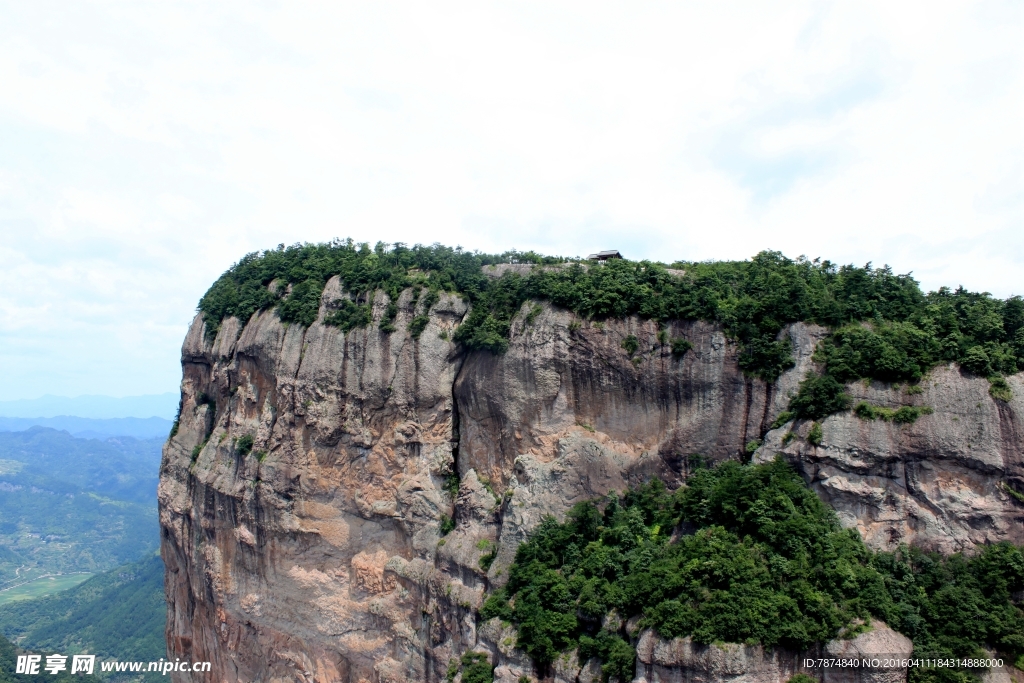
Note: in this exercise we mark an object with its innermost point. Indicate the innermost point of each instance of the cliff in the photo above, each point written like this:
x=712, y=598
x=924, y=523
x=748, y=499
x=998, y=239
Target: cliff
x=315, y=551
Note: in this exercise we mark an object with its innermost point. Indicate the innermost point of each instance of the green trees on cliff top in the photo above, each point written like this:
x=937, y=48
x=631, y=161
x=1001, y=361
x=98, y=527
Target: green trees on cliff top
x=883, y=326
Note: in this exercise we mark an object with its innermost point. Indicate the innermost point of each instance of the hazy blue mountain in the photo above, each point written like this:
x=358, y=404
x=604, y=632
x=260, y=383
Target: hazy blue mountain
x=123, y=468
x=90, y=428
x=95, y=407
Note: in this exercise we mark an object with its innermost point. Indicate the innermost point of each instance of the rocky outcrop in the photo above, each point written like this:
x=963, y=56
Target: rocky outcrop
x=317, y=554
x=683, y=661
x=944, y=482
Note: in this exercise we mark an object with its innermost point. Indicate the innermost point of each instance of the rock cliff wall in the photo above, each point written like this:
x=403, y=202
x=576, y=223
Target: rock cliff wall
x=317, y=554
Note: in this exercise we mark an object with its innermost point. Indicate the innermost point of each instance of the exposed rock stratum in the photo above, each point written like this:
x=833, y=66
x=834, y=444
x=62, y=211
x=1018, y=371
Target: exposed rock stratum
x=317, y=554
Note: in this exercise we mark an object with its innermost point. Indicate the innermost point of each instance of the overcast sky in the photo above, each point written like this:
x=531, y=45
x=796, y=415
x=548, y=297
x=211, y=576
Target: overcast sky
x=144, y=147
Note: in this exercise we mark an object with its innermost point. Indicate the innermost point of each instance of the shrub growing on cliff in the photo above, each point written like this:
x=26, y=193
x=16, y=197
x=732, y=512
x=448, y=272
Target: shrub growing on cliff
x=818, y=397
x=680, y=346
x=476, y=668
x=630, y=344
x=801, y=678
x=243, y=446
x=303, y=303
x=447, y=525
x=349, y=315
x=901, y=415
x=417, y=325
x=767, y=563
x=815, y=434
x=998, y=388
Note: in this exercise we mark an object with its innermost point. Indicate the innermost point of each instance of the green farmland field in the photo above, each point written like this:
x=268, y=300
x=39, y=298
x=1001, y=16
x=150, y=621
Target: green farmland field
x=40, y=587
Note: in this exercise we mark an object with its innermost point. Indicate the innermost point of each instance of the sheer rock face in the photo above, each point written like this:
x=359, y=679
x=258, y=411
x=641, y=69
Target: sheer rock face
x=317, y=555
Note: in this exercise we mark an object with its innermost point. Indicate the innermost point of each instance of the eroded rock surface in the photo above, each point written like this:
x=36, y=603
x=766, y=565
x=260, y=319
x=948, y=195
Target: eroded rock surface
x=943, y=482
x=317, y=555
x=682, y=661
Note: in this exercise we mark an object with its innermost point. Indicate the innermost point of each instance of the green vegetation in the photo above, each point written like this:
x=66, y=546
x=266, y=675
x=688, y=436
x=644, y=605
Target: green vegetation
x=451, y=484
x=41, y=587
x=630, y=344
x=349, y=315
x=447, y=525
x=245, y=288
x=177, y=419
x=818, y=397
x=486, y=483
x=784, y=417
x=417, y=325
x=1017, y=495
x=244, y=443
x=72, y=505
x=767, y=563
x=884, y=327
x=8, y=665
x=197, y=449
x=901, y=415
x=119, y=614
x=680, y=346
x=486, y=560
x=801, y=678
x=999, y=389
x=815, y=434
x=953, y=606
x=476, y=668
x=618, y=658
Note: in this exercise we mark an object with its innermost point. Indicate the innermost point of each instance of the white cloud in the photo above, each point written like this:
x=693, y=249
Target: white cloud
x=145, y=147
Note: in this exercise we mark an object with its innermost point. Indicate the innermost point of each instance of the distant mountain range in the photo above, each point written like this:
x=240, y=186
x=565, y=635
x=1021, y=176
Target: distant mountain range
x=88, y=428
x=93, y=417
x=93, y=407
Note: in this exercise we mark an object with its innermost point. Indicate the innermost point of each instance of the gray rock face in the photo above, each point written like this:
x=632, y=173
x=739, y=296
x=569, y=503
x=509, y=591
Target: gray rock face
x=943, y=482
x=318, y=555
x=683, y=661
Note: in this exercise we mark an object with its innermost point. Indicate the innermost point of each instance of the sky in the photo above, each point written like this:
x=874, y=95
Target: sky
x=147, y=146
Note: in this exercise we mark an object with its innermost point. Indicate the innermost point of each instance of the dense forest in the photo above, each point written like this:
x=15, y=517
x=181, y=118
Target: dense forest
x=883, y=326
x=747, y=554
